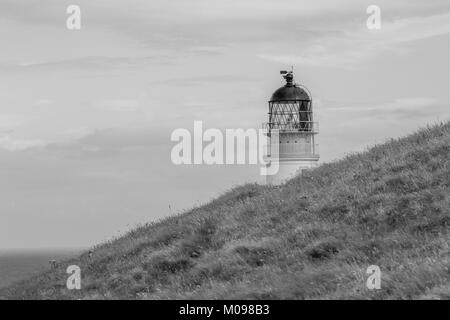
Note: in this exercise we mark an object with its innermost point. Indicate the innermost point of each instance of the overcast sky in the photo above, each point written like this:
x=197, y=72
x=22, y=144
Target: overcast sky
x=86, y=116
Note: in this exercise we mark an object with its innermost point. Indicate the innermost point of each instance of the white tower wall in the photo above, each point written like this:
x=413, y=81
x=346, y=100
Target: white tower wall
x=296, y=152
x=289, y=168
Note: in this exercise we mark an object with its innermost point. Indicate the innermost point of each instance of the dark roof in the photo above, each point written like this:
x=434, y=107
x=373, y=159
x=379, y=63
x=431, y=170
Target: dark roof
x=290, y=91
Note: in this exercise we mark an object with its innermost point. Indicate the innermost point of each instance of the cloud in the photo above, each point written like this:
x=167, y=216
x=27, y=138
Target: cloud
x=42, y=102
x=349, y=48
x=86, y=63
x=12, y=144
x=397, y=104
x=422, y=109
x=106, y=143
x=9, y=122
x=118, y=104
x=322, y=30
x=204, y=80
x=207, y=50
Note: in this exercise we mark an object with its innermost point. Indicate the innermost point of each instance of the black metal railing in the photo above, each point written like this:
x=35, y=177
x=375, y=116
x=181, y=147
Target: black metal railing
x=298, y=126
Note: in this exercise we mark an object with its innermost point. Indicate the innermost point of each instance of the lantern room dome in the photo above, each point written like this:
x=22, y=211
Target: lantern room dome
x=290, y=91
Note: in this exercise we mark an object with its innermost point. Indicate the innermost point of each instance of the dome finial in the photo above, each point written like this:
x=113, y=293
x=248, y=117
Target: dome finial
x=288, y=76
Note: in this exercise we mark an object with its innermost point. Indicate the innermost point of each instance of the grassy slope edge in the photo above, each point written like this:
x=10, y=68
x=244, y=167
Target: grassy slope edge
x=313, y=237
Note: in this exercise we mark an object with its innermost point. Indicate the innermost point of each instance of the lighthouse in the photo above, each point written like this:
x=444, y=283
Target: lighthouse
x=291, y=131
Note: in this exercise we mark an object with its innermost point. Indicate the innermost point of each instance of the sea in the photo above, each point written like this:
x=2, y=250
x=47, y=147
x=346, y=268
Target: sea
x=20, y=264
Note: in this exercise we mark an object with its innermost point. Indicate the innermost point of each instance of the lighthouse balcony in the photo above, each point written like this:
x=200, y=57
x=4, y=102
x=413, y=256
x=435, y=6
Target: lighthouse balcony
x=299, y=126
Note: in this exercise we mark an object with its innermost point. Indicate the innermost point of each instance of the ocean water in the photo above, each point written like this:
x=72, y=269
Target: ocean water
x=16, y=265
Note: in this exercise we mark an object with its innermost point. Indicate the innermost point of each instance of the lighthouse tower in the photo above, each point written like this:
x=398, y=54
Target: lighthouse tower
x=291, y=131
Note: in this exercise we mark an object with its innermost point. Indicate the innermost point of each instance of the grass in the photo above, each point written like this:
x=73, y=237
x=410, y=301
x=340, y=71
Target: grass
x=312, y=238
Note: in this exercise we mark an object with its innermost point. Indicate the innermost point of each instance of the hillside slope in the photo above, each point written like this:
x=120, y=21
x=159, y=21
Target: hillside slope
x=311, y=238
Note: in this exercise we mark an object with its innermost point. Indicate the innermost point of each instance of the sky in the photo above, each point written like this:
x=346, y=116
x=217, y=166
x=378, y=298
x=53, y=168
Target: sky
x=86, y=115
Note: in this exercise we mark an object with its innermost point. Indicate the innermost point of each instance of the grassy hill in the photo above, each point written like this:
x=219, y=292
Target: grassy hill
x=313, y=237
